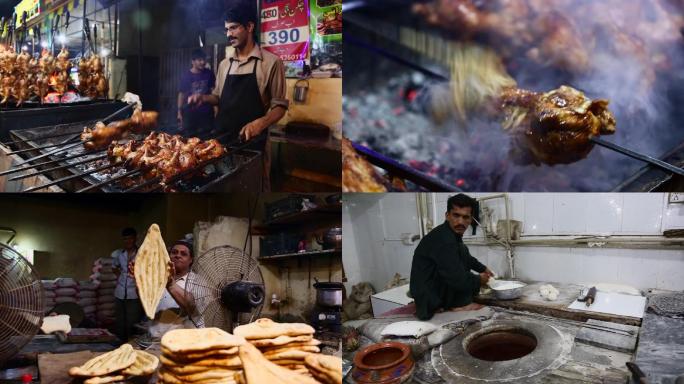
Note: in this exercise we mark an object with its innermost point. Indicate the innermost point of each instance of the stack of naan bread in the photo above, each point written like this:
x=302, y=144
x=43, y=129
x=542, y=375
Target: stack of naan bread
x=285, y=344
x=116, y=366
x=289, y=345
x=205, y=355
x=326, y=369
x=263, y=352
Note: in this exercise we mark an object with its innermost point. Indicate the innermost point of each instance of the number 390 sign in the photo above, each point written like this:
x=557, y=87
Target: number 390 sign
x=285, y=28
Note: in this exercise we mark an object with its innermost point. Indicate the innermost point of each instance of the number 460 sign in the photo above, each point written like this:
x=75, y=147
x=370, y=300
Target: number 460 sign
x=285, y=28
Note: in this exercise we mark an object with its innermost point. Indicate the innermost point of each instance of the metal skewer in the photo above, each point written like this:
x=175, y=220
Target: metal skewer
x=33, y=166
x=50, y=153
x=396, y=168
x=55, y=182
x=635, y=155
x=40, y=147
x=44, y=171
x=106, y=120
x=7, y=144
x=109, y=181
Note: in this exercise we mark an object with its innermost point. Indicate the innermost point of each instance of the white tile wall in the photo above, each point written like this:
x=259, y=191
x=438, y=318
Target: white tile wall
x=671, y=270
x=538, y=217
x=400, y=214
x=569, y=213
x=596, y=264
x=643, y=213
x=604, y=213
x=374, y=219
x=673, y=215
x=639, y=268
x=545, y=264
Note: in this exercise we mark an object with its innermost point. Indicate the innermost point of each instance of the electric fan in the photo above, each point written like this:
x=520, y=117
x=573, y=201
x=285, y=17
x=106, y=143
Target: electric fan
x=21, y=302
x=227, y=286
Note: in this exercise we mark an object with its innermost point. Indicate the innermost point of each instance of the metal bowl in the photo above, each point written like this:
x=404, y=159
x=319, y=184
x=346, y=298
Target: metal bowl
x=507, y=294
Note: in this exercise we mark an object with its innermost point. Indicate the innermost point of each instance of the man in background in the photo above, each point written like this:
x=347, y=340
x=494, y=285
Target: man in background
x=128, y=308
x=198, y=80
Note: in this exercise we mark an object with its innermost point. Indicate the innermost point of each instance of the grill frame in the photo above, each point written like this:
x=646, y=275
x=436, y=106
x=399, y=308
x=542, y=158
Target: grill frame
x=239, y=171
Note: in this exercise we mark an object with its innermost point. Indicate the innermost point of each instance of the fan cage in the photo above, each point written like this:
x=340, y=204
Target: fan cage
x=22, y=302
x=211, y=272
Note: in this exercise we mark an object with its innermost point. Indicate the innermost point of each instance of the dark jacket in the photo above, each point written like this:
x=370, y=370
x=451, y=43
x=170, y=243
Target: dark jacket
x=440, y=272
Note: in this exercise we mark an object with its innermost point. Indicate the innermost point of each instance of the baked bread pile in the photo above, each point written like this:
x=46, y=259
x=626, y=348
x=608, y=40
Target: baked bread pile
x=118, y=365
x=204, y=355
x=289, y=345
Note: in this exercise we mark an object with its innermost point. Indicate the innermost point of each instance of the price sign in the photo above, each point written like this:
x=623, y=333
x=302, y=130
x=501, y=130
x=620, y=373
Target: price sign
x=285, y=28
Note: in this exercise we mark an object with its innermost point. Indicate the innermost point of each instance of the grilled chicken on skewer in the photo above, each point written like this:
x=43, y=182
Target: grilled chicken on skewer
x=161, y=154
x=556, y=126
x=103, y=135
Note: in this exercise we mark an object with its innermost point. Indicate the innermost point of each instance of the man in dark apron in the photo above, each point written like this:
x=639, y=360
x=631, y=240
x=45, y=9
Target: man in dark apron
x=250, y=88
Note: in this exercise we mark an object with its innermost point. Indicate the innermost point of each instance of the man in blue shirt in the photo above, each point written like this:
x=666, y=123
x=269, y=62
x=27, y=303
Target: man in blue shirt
x=199, y=80
x=128, y=308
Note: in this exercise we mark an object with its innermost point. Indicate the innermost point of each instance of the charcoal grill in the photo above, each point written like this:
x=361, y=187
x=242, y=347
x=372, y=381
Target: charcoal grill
x=33, y=114
x=385, y=69
x=239, y=170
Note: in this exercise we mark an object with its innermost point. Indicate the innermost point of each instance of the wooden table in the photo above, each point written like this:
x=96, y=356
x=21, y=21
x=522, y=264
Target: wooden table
x=531, y=301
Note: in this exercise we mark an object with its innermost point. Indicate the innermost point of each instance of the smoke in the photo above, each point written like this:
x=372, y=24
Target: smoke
x=626, y=51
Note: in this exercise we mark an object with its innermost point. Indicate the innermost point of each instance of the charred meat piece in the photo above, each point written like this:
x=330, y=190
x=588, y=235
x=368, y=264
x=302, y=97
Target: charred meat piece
x=102, y=135
x=358, y=175
x=161, y=154
x=556, y=126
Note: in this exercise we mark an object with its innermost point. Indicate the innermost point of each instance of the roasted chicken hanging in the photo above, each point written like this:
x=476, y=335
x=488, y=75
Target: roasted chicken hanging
x=91, y=78
x=163, y=155
x=103, y=135
x=23, y=77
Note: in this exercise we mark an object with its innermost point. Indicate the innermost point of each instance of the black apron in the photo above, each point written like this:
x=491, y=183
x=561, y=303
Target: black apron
x=239, y=105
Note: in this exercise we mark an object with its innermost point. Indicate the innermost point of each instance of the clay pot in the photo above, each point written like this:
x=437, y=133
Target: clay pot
x=383, y=363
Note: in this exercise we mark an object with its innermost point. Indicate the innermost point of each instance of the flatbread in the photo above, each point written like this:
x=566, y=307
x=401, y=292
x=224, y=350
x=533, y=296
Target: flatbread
x=215, y=353
x=104, y=379
x=325, y=365
x=151, y=274
x=190, y=369
x=310, y=343
x=181, y=341
x=228, y=362
x=109, y=362
x=258, y=369
x=169, y=378
x=291, y=354
x=280, y=341
x=145, y=364
x=211, y=374
x=269, y=329
x=275, y=351
x=286, y=362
